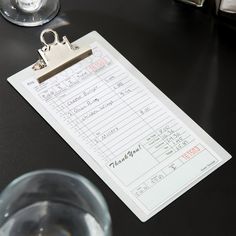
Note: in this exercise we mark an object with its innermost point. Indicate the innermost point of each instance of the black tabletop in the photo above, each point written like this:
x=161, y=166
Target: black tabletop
x=186, y=52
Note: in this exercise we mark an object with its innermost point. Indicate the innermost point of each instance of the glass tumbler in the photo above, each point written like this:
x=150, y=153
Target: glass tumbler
x=53, y=203
x=29, y=12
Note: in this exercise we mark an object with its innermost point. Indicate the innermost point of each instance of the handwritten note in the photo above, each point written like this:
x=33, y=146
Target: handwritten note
x=144, y=148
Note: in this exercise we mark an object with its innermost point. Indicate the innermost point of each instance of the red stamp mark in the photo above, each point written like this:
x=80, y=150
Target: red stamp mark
x=191, y=153
x=99, y=64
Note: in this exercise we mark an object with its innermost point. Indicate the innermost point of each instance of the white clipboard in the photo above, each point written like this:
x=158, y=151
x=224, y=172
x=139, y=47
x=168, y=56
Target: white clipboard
x=142, y=176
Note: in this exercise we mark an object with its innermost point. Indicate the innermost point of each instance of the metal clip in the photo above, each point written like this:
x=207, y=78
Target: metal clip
x=57, y=56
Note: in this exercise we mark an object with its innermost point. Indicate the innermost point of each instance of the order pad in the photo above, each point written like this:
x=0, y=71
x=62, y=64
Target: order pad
x=138, y=141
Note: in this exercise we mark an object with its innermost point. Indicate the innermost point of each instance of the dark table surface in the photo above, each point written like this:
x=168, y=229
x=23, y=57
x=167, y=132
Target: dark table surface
x=187, y=53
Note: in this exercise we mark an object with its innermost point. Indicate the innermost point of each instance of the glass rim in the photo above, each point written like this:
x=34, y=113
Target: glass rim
x=62, y=172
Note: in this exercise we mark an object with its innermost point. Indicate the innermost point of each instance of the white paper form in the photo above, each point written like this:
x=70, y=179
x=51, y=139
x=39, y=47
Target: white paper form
x=138, y=142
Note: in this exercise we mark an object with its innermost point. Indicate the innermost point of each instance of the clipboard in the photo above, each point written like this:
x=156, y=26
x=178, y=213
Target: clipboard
x=150, y=153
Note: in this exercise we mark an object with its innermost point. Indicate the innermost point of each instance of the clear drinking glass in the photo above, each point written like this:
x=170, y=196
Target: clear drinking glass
x=53, y=203
x=29, y=12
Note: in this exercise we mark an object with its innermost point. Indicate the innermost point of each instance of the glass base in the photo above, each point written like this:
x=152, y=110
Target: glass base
x=16, y=15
